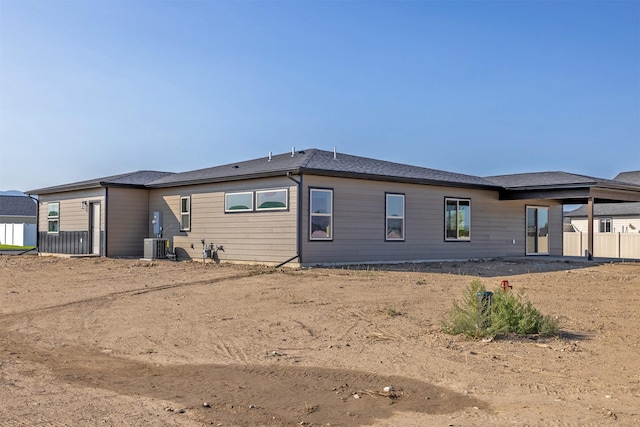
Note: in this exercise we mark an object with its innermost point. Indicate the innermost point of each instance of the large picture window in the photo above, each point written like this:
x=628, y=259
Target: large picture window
x=238, y=202
x=185, y=213
x=395, y=217
x=53, y=217
x=321, y=214
x=457, y=219
x=271, y=200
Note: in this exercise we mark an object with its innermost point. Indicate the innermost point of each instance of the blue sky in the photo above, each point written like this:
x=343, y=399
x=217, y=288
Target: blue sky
x=97, y=88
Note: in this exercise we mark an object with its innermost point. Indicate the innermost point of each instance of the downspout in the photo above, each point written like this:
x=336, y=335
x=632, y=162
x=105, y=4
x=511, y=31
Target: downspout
x=298, y=223
x=106, y=219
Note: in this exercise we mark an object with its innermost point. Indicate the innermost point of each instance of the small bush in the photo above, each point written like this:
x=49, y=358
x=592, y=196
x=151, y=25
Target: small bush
x=392, y=312
x=510, y=313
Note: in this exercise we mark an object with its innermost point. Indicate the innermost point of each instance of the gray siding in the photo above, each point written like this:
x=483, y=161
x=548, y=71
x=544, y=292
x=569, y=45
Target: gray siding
x=359, y=224
x=266, y=237
x=127, y=226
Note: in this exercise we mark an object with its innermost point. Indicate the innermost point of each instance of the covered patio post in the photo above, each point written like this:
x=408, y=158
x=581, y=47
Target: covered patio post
x=590, y=228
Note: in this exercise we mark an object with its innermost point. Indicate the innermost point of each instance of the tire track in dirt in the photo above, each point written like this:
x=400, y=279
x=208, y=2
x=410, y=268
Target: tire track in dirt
x=372, y=329
x=247, y=395
x=130, y=292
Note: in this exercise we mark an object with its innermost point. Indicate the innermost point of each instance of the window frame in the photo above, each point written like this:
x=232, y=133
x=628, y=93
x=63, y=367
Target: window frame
x=329, y=215
x=185, y=213
x=603, y=223
x=51, y=219
x=236, y=193
x=457, y=200
x=402, y=237
x=277, y=190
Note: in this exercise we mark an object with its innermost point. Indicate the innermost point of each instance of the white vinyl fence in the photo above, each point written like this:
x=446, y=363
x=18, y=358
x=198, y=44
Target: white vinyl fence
x=605, y=245
x=18, y=234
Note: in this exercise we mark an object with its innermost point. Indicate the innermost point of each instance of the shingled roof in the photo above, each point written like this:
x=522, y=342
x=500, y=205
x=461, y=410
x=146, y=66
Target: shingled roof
x=631, y=176
x=320, y=162
x=17, y=206
x=131, y=179
x=571, y=188
x=568, y=187
x=523, y=181
x=607, y=209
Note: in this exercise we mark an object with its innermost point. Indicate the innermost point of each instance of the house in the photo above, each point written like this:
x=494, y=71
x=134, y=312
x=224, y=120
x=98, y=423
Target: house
x=17, y=220
x=608, y=218
x=318, y=207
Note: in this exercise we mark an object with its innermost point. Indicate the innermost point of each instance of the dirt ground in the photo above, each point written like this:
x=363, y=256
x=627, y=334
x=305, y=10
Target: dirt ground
x=94, y=341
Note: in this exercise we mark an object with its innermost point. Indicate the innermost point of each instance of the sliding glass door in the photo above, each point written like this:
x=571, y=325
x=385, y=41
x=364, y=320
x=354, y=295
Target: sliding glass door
x=537, y=230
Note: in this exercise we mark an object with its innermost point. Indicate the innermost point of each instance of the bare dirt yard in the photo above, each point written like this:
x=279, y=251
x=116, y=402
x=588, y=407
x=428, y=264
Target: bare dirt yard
x=94, y=341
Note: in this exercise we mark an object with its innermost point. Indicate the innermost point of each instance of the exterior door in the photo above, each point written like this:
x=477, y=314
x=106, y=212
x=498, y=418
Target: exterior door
x=94, y=228
x=537, y=230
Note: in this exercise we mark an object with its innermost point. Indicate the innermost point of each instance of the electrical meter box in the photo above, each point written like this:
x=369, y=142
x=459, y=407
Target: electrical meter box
x=157, y=223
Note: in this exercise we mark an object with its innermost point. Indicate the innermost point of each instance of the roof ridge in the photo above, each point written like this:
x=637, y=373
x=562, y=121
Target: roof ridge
x=314, y=151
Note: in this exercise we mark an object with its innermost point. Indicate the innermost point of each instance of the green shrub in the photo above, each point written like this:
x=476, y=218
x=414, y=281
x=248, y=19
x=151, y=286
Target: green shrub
x=510, y=313
x=464, y=318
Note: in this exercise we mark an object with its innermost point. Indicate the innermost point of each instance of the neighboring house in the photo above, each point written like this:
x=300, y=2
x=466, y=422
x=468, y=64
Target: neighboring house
x=318, y=207
x=17, y=220
x=607, y=218
x=610, y=217
x=615, y=226
x=631, y=176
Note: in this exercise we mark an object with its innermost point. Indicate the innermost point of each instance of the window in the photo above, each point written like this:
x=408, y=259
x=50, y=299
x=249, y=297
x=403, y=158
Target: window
x=395, y=217
x=53, y=217
x=321, y=213
x=238, y=202
x=606, y=225
x=457, y=219
x=185, y=213
x=271, y=199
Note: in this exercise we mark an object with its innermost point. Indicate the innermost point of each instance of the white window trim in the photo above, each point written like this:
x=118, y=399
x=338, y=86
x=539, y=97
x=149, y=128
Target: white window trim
x=457, y=238
x=286, y=199
x=237, y=193
x=187, y=212
x=603, y=221
x=329, y=215
x=53, y=218
x=387, y=217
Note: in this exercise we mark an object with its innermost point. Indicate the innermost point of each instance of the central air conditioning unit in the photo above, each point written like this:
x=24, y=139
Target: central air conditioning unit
x=155, y=248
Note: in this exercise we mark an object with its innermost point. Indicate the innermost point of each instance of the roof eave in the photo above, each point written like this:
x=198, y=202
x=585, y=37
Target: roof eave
x=120, y=185
x=64, y=188
x=84, y=186
x=407, y=180
x=574, y=194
